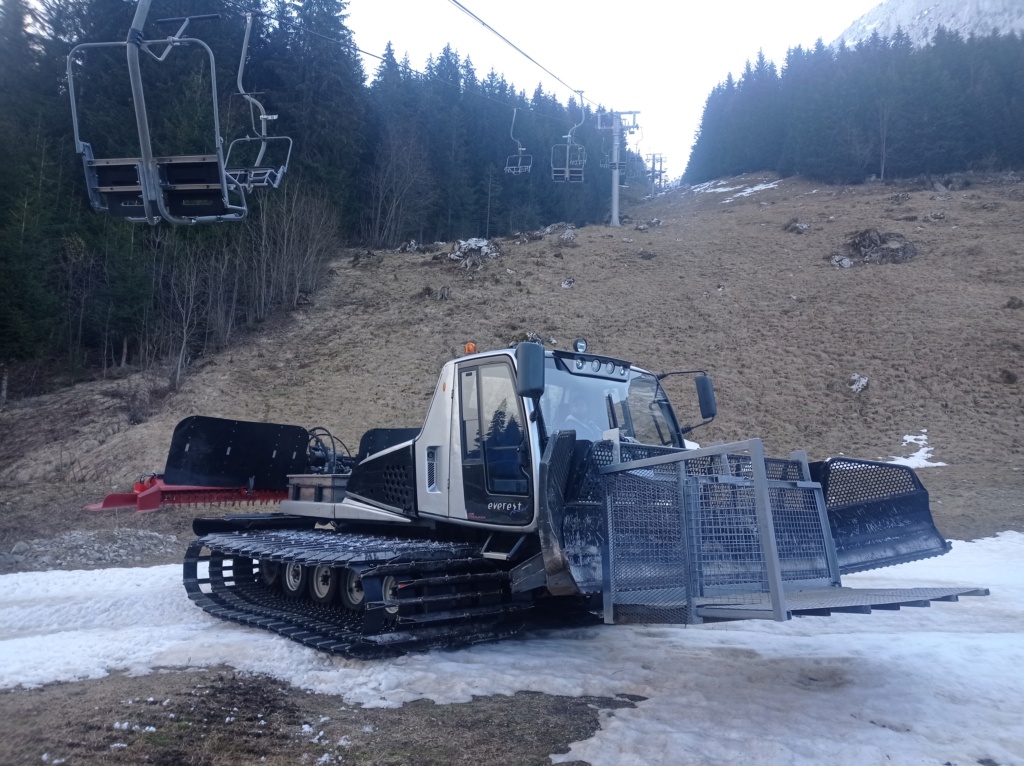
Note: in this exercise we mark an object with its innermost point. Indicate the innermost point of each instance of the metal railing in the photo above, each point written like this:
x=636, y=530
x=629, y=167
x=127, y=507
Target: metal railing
x=706, y=533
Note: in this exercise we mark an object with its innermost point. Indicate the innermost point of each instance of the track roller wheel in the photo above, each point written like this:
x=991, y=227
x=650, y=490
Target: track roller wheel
x=323, y=584
x=294, y=580
x=389, y=586
x=352, y=594
x=270, y=573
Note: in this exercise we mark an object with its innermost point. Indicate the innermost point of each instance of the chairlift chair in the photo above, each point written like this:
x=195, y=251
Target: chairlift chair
x=520, y=162
x=181, y=189
x=260, y=173
x=635, y=166
x=567, y=162
x=569, y=159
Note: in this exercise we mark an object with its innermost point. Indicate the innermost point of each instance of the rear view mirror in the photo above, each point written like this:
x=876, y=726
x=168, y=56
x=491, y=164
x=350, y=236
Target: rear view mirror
x=530, y=370
x=706, y=397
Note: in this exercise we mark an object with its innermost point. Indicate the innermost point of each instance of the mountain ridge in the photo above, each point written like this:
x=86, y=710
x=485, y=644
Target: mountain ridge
x=921, y=18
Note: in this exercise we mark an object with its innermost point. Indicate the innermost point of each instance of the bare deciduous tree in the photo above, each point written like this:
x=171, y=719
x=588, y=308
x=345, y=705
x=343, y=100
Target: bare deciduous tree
x=400, y=187
x=187, y=299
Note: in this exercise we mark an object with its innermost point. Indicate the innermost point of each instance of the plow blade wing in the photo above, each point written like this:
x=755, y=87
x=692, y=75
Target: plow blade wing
x=213, y=452
x=878, y=513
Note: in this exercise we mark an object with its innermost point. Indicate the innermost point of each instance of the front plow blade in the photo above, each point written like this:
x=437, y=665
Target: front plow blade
x=878, y=513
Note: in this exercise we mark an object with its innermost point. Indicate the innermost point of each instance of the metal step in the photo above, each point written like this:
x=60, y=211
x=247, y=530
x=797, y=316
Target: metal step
x=826, y=601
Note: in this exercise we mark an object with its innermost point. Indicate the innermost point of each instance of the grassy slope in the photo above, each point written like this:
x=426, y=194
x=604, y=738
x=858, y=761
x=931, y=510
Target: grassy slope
x=719, y=285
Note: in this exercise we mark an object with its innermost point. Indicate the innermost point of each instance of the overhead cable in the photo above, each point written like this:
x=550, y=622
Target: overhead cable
x=297, y=25
x=515, y=47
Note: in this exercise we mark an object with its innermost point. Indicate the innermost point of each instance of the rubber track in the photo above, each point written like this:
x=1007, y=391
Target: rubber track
x=238, y=597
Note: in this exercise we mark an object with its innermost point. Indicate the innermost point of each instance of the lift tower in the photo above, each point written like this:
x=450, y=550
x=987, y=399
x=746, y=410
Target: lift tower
x=657, y=172
x=613, y=121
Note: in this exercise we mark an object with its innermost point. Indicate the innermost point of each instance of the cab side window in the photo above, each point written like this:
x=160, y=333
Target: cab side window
x=492, y=428
x=470, y=418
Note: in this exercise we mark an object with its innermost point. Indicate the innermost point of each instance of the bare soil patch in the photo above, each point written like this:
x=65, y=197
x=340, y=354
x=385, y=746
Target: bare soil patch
x=224, y=717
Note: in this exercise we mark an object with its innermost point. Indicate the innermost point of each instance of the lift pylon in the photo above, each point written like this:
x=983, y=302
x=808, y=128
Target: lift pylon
x=613, y=121
x=656, y=172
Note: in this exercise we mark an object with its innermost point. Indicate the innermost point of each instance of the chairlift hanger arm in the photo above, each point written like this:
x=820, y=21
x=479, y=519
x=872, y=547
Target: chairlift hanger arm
x=520, y=162
x=511, y=130
x=583, y=118
x=249, y=98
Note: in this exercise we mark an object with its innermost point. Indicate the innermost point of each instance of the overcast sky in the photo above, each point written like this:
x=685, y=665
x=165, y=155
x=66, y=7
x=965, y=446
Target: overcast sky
x=659, y=58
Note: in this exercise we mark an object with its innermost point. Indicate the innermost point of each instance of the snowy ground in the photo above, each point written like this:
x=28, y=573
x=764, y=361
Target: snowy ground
x=937, y=685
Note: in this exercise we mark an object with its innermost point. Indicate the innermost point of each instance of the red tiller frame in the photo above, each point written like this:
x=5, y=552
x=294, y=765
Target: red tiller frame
x=150, y=494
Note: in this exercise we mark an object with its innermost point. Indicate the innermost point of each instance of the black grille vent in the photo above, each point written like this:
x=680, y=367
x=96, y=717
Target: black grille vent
x=389, y=479
x=432, y=469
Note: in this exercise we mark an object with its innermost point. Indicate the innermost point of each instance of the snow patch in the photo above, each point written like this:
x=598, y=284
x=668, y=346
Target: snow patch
x=921, y=458
x=850, y=689
x=752, y=190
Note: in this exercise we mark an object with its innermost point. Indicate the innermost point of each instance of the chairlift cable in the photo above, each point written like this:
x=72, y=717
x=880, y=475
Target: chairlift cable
x=515, y=47
x=298, y=25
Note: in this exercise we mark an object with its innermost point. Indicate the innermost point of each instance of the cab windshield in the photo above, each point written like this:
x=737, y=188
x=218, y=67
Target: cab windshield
x=590, y=405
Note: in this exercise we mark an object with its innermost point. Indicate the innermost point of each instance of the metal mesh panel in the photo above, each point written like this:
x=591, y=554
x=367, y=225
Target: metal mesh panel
x=781, y=469
x=799, y=534
x=855, y=481
x=778, y=469
x=647, y=547
x=728, y=549
x=728, y=554
x=591, y=485
x=629, y=451
x=689, y=531
x=714, y=465
x=560, y=450
x=583, y=521
x=583, y=538
x=396, y=488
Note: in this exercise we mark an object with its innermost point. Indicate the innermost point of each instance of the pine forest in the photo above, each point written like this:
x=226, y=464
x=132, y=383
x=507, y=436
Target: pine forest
x=410, y=151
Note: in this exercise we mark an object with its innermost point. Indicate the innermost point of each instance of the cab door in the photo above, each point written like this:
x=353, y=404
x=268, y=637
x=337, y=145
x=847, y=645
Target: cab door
x=491, y=432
